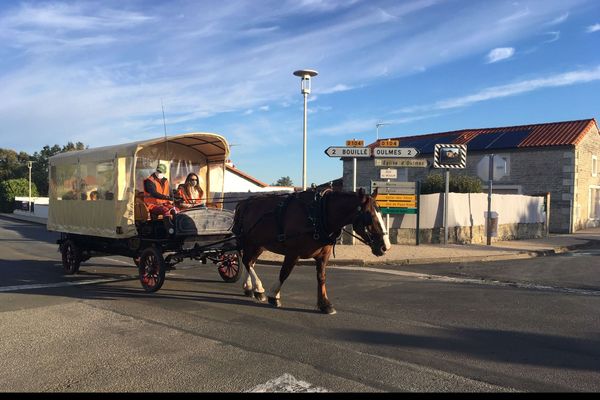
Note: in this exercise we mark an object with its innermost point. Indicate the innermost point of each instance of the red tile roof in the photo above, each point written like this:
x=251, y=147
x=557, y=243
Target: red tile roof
x=540, y=135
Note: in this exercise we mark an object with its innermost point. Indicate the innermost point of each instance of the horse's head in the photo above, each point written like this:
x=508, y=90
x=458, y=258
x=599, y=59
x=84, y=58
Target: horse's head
x=368, y=224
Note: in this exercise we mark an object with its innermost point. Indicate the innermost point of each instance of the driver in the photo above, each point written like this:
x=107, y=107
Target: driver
x=156, y=193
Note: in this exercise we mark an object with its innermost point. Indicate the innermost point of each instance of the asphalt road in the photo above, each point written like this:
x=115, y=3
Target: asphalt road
x=523, y=325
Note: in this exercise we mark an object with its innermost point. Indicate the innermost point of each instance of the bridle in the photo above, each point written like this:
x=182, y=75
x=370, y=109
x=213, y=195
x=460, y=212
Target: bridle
x=364, y=219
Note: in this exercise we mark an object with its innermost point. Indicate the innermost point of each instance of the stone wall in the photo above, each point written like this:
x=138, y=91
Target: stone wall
x=467, y=234
x=584, y=179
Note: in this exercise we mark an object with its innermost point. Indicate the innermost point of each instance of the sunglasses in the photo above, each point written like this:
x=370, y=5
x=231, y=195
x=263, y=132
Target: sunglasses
x=193, y=180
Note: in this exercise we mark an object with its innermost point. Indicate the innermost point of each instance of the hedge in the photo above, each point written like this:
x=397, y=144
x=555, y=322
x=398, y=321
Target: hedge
x=12, y=188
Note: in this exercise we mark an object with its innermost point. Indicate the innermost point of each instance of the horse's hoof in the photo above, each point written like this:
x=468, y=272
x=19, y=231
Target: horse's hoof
x=248, y=293
x=274, y=302
x=328, y=310
x=260, y=297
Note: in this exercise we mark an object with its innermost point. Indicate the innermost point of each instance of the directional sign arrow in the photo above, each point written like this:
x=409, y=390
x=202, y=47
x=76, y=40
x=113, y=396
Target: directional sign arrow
x=348, y=152
x=396, y=152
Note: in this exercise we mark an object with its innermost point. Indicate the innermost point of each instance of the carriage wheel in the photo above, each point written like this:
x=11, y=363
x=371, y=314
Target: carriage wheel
x=152, y=269
x=228, y=265
x=71, y=257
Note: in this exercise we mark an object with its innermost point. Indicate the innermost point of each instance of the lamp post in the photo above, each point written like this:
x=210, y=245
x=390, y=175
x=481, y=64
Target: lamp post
x=29, y=165
x=377, y=125
x=305, y=75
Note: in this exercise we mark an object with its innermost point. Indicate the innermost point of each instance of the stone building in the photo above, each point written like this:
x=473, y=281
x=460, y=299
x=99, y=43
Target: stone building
x=560, y=158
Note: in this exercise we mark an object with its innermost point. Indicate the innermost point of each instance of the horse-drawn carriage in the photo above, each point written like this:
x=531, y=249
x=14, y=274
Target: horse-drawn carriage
x=97, y=204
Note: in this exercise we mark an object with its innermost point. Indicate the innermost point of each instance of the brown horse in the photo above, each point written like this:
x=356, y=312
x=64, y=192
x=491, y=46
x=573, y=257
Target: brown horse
x=303, y=225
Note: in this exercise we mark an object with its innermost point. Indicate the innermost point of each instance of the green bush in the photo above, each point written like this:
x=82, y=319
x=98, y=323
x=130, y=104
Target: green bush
x=435, y=183
x=12, y=188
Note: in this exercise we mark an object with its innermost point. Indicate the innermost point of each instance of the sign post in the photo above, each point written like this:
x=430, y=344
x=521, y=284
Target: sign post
x=449, y=156
x=354, y=149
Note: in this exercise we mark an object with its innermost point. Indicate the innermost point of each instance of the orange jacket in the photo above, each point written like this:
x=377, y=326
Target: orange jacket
x=187, y=199
x=164, y=190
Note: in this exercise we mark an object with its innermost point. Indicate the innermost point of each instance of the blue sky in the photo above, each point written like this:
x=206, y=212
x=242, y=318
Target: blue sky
x=96, y=72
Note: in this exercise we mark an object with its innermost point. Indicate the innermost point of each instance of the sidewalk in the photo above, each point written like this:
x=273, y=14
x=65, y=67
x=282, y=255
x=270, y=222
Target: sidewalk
x=360, y=254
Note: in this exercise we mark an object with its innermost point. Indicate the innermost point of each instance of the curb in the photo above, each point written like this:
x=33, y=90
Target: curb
x=447, y=260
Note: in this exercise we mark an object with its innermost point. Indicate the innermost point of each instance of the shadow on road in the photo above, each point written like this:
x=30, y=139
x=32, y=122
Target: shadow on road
x=29, y=230
x=524, y=348
x=20, y=272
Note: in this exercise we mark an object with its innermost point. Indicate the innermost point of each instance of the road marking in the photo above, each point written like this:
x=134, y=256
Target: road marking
x=62, y=284
x=288, y=384
x=491, y=282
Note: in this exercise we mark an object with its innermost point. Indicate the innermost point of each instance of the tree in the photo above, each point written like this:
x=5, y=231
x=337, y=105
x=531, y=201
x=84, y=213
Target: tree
x=435, y=183
x=283, y=181
x=12, y=188
x=12, y=164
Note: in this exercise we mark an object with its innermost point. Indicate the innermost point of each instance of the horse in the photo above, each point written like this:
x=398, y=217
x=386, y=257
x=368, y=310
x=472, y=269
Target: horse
x=303, y=225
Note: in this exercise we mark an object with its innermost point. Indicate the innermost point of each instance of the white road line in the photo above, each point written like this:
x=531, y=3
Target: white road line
x=491, y=282
x=61, y=284
x=130, y=263
x=288, y=384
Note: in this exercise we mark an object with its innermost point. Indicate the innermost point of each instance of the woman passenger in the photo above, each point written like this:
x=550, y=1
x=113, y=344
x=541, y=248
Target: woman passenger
x=190, y=192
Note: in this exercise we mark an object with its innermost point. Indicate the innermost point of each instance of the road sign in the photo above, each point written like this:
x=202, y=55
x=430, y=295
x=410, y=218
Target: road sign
x=396, y=197
x=395, y=152
x=396, y=204
x=355, y=143
x=348, y=152
x=386, y=210
x=388, y=173
x=450, y=156
x=500, y=169
x=389, y=143
x=402, y=163
x=393, y=187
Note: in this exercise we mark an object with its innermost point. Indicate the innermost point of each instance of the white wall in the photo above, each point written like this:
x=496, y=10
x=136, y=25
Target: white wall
x=468, y=209
x=235, y=183
x=40, y=206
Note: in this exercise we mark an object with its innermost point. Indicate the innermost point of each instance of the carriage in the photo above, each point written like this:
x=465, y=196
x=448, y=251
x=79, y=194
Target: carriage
x=97, y=205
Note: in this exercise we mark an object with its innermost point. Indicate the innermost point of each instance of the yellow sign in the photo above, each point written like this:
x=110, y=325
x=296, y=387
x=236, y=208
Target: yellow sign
x=389, y=143
x=397, y=204
x=355, y=143
x=396, y=197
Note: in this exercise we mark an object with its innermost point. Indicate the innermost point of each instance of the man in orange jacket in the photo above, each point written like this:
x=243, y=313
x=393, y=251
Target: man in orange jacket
x=157, y=193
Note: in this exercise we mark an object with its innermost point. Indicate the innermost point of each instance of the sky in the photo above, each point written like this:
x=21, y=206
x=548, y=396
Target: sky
x=100, y=72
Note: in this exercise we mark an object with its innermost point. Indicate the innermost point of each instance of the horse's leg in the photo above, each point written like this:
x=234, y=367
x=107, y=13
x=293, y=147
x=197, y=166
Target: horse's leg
x=253, y=284
x=286, y=269
x=322, y=301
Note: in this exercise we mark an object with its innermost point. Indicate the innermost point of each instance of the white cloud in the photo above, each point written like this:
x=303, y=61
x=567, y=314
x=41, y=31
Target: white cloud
x=512, y=89
x=340, y=87
x=500, y=53
x=555, y=35
x=593, y=28
x=560, y=19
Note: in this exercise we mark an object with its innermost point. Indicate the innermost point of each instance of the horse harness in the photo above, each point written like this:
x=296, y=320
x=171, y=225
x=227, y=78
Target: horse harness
x=317, y=218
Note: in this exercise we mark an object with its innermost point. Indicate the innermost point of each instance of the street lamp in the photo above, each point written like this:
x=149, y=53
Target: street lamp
x=305, y=74
x=377, y=125
x=29, y=165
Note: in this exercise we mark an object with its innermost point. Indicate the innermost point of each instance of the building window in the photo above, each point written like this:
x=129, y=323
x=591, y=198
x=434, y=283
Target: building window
x=594, y=166
x=594, y=202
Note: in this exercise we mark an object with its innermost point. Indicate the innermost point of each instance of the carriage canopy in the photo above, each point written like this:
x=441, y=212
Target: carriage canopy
x=93, y=191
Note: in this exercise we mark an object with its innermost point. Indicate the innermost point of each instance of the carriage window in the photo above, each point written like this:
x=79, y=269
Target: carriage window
x=97, y=181
x=65, y=183
x=146, y=167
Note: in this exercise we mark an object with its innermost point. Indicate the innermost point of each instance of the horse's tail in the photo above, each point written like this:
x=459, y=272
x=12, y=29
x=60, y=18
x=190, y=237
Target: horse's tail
x=237, y=228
